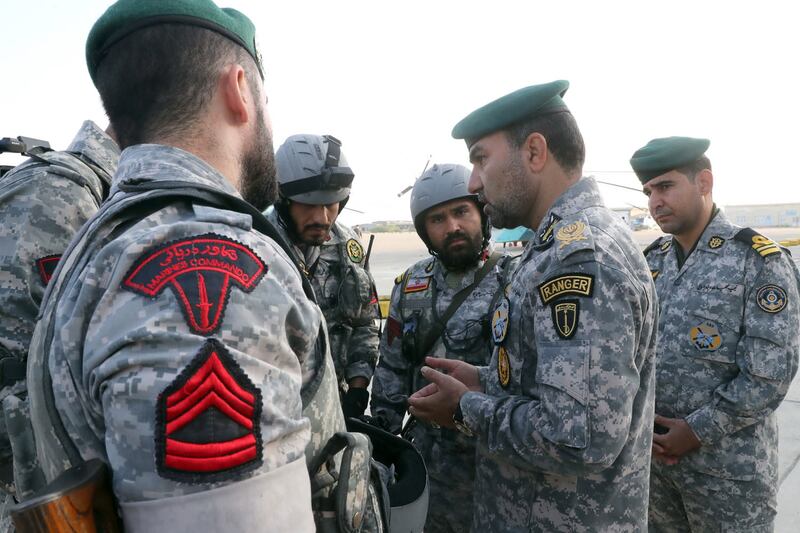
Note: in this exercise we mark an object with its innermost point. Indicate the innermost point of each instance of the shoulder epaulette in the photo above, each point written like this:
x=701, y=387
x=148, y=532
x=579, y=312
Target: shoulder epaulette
x=653, y=245
x=763, y=245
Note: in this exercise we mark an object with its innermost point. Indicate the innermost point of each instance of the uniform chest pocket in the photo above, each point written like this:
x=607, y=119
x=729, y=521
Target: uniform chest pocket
x=354, y=291
x=562, y=373
x=713, y=327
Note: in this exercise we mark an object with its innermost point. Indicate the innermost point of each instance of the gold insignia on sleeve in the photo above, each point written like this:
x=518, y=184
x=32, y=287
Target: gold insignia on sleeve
x=503, y=367
x=765, y=246
x=715, y=242
x=771, y=298
x=571, y=233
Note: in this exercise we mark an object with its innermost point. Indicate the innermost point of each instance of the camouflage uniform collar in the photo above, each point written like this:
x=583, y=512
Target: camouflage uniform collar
x=157, y=162
x=582, y=194
x=717, y=233
x=94, y=144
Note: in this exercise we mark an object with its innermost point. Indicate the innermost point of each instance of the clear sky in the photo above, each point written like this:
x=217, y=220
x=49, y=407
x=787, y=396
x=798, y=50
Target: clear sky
x=391, y=79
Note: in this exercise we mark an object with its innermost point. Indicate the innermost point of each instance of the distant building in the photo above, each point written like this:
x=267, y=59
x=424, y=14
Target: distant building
x=763, y=216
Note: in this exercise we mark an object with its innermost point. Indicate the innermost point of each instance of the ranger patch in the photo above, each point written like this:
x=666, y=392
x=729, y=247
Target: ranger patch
x=417, y=284
x=46, y=267
x=503, y=367
x=208, y=420
x=200, y=271
x=500, y=320
x=579, y=284
x=705, y=336
x=771, y=298
x=571, y=233
x=355, y=251
x=565, y=317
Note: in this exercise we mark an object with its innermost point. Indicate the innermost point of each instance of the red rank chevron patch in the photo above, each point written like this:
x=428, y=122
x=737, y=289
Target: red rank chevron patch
x=47, y=266
x=200, y=271
x=208, y=420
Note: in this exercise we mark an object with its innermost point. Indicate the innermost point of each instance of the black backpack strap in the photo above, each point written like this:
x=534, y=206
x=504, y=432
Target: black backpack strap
x=434, y=333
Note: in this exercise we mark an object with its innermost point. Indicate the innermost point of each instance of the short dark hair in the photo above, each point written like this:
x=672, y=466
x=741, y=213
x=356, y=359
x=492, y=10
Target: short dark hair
x=691, y=170
x=564, y=139
x=156, y=81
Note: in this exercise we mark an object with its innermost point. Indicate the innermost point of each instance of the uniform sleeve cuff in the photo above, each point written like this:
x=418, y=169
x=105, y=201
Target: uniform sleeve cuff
x=477, y=409
x=358, y=370
x=703, y=423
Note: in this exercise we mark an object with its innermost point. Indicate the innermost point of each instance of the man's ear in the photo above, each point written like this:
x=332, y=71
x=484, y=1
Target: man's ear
x=705, y=181
x=236, y=93
x=535, y=152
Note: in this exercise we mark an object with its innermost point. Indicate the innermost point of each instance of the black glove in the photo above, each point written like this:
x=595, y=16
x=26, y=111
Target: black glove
x=354, y=402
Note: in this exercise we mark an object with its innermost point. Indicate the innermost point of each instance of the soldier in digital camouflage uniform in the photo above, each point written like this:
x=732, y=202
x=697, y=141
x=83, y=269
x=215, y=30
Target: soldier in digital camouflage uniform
x=727, y=350
x=43, y=202
x=563, y=413
x=314, y=183
x=450, y=222
x=177, y=341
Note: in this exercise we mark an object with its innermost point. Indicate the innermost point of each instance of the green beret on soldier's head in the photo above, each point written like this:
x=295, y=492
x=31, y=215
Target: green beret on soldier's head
x=126, y=16
x=522, y=104
x=660, y=156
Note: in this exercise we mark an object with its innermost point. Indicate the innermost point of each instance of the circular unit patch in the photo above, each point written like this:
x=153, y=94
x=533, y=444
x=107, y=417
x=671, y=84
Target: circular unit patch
x=771, y=298
x=355, y=251
x=500, y=320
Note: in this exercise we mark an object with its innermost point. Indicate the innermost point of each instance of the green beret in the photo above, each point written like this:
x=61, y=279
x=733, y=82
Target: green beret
x=524, y=103
x=126, y=16
x=659, y=156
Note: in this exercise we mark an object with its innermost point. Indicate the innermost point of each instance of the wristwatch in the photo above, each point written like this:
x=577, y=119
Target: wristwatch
x=458, y=420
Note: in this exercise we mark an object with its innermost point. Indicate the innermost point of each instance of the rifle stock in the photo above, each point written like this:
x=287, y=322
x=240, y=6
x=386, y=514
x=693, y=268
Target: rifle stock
x=79, y=500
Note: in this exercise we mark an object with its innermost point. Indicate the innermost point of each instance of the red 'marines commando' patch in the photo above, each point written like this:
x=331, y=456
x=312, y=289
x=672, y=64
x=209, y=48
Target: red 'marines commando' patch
x=47, y=266
x=200, y=271
x=208, y=420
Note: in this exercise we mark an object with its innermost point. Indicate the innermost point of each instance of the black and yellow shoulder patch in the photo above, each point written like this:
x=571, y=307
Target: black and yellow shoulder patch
x=399, y=279
x=429, y=266
x=578, y=284
x=763, y=245
x=652, y=246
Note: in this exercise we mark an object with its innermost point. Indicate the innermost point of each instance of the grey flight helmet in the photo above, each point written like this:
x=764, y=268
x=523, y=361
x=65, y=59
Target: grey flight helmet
x=313, y=170
x=437, y=185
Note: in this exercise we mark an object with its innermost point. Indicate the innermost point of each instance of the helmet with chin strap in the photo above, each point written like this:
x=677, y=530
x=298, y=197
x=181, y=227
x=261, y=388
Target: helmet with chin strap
x=437, y=185
x=312, y=170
